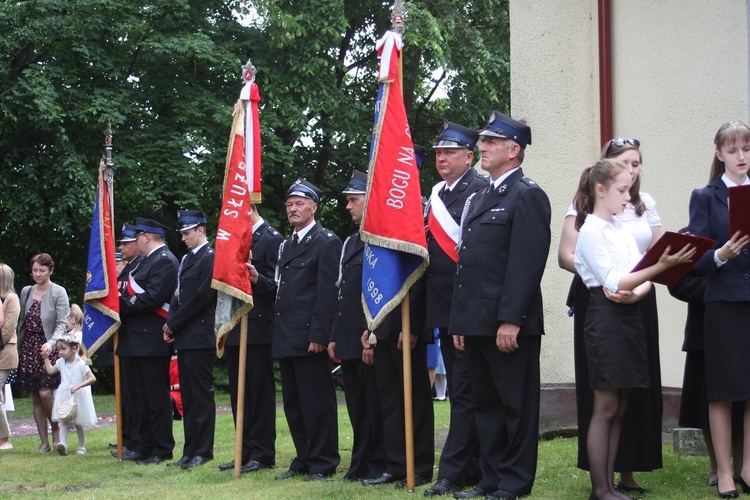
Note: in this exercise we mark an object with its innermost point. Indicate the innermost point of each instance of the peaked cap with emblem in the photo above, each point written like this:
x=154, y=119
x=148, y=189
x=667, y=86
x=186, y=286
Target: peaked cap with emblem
x=357, y=184
x=454, y=136
x=149, y=226
x=188, y=219
x=305, y=189
x=500, y=125
x=127, y=234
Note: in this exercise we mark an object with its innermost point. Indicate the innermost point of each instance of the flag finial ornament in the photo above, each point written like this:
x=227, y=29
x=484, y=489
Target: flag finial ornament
x=248, y=72
x=397, y=20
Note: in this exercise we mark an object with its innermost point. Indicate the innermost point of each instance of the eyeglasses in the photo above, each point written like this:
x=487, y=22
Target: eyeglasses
x=620, y=142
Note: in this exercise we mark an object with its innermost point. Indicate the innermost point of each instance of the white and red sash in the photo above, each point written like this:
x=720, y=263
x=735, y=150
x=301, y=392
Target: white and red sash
x=442, y=226
x=134, y=288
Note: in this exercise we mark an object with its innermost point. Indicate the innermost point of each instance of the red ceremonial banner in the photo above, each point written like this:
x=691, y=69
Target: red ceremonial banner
x=394, y=200
x=231, y=276
x=392, y=224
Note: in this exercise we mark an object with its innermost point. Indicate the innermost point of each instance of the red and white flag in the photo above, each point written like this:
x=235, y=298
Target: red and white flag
x=234, y=236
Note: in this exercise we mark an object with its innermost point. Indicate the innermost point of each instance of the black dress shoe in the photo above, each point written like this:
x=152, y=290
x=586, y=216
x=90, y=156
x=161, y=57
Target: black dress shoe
x=182, y=461
x=743, y=484
x=112, y=446
x=472, y=493
x=418, y=481
x=195, y=462
x=385, y=478
x=252, y=466
x=153, y=460
x=317, y=476
x=289, y=474
x=130, y=455
x=500, y=495
x=441, y=487
x=630, y=489
x=727, y=494
x=227, y=466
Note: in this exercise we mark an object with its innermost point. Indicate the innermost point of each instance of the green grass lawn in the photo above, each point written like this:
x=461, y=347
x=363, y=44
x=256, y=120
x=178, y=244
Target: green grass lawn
x=98, y=475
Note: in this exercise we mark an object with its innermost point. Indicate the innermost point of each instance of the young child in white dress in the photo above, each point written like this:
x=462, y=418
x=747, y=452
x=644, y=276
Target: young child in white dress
x=76, y=379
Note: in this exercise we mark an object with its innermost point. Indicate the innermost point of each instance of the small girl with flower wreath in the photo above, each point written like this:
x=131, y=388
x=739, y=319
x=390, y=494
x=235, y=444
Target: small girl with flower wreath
x=76, y=379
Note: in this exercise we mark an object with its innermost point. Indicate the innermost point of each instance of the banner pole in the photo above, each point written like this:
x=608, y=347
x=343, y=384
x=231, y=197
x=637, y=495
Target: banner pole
x=118, y=396
x=109, y=174
x=239, y=426
x=408, y=406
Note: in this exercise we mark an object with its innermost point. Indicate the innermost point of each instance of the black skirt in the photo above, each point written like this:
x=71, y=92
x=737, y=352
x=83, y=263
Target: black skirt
x=726, y=337
x=615, y=343
x=641, y=435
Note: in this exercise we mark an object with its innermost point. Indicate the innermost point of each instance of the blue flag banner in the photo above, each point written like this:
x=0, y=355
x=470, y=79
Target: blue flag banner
x=101, y=310
x=392, y=224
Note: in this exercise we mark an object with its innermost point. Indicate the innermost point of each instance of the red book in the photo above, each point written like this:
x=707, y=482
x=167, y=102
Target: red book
x=675, y=242
x=739, y=209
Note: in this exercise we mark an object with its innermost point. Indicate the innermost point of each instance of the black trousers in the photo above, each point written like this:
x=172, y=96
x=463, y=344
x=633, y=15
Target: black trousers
x=506, y=404
x=130, y=439
x=196, y=368
x=310, y=408
x=362, y=403
x=152, y=408
x=459, y=461
x=389, y=369
x=259, y=422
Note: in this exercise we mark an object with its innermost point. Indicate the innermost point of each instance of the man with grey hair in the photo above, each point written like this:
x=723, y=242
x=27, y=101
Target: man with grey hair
x=497, y=309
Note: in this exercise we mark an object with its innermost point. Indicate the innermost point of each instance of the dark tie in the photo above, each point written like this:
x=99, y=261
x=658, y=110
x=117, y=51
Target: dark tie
x=444, y=192
x=295, y=241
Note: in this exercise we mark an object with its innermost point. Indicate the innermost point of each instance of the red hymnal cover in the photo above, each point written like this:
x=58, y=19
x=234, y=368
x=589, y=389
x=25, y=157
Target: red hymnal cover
x=675, y=242
x=739, y=209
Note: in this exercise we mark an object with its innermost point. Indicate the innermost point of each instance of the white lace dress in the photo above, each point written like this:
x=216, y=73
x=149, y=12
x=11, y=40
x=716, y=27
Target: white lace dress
x=73, y=374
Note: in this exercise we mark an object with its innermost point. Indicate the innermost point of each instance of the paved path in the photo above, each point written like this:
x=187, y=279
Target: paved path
x=27, y=427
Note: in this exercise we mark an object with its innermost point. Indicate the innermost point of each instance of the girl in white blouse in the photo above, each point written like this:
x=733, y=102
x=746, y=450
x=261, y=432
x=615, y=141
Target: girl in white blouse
x=613, y=333
x=641, y=435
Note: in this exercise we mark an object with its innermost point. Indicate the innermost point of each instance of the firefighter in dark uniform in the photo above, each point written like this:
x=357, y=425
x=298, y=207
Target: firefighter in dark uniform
x=360, y=386
x=305, y=307
x=497, y=309
x=129, y=252
x=259, y=424
x=454, y=153
x=190, y=325
x=143, y=310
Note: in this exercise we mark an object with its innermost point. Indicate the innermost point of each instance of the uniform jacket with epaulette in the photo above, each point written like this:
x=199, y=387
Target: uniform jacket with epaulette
x=141, y=332
x=192, y=310
x=504, y=247
x=306, y=294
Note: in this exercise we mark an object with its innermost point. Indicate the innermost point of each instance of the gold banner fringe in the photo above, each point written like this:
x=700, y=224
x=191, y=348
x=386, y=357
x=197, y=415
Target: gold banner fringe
x=237, y=294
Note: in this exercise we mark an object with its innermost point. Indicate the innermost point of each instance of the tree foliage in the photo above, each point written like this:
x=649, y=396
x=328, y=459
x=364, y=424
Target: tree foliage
x=166, y=73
